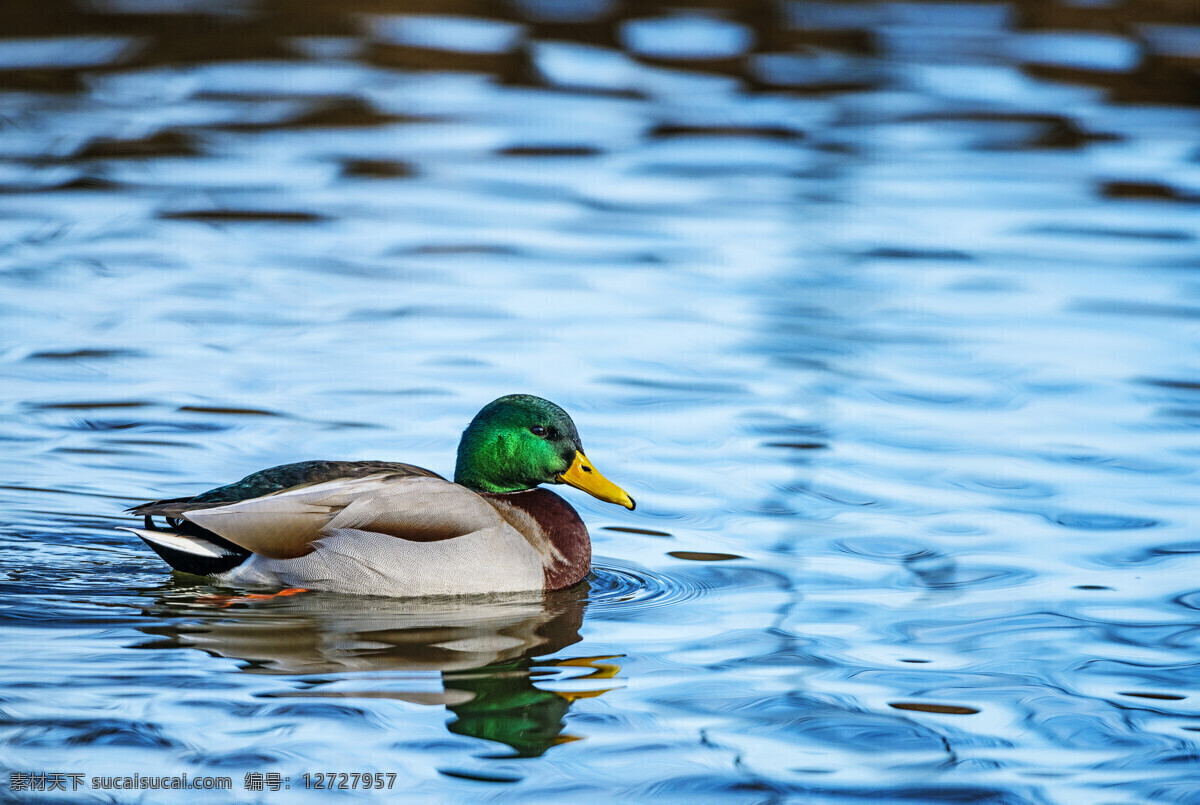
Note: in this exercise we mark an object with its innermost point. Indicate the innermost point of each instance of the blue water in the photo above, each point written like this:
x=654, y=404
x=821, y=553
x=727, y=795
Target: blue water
x=885, y=313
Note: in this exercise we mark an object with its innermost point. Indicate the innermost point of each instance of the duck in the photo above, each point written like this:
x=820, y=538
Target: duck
x=393, y=529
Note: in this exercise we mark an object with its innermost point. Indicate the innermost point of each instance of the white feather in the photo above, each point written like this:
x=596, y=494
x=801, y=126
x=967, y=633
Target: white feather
x=192, y=545
x=355, y=561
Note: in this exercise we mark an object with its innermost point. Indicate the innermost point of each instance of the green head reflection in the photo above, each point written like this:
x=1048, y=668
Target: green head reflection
x=507, y=707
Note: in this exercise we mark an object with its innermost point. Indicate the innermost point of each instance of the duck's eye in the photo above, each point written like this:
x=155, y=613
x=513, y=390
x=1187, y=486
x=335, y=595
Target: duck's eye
x=538, y=430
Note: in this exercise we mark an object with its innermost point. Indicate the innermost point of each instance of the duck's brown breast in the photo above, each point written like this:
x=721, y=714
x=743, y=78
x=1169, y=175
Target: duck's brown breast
x=552, y=527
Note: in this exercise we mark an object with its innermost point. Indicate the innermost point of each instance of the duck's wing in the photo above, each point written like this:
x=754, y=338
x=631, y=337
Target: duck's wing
x=289, y=523
x=280, y=479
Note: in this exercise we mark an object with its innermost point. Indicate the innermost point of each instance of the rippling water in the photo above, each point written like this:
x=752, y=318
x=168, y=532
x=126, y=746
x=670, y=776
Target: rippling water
x=884, y=313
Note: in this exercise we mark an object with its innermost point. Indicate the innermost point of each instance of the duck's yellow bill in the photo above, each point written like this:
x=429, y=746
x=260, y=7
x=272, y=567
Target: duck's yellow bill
x=582, y=475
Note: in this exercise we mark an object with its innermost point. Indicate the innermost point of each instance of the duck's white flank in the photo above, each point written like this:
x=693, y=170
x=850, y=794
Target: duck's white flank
x=380, y=534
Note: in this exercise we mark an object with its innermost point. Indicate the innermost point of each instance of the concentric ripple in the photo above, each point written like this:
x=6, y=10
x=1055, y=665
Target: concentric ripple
x=630, y=588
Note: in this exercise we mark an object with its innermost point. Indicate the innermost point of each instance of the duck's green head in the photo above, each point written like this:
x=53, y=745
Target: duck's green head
x=520, y=441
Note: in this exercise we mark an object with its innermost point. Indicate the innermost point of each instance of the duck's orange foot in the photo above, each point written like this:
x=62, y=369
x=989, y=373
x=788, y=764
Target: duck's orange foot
x=223, y=601
x=280, y=594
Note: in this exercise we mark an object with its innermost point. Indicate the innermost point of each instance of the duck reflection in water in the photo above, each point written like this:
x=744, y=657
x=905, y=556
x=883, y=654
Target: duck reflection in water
x=485, y=651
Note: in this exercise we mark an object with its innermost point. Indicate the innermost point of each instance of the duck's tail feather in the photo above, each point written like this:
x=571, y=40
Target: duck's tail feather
x=202, y=555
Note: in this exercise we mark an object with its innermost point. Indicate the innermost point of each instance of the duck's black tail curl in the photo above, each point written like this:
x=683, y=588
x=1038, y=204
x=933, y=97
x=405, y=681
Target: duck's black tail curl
x=189, y=548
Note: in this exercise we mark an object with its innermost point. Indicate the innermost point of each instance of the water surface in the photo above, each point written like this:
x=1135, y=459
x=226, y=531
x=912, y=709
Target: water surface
x=883, y=312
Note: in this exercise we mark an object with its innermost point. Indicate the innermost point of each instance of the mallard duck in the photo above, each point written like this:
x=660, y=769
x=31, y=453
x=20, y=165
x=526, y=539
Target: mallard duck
x=385, y=528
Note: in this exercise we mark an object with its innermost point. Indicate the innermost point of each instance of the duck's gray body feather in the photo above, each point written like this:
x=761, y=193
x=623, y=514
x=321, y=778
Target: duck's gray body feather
x=380, y=529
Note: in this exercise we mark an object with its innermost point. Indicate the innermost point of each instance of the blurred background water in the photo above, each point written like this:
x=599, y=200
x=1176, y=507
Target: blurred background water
x=885, y=313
